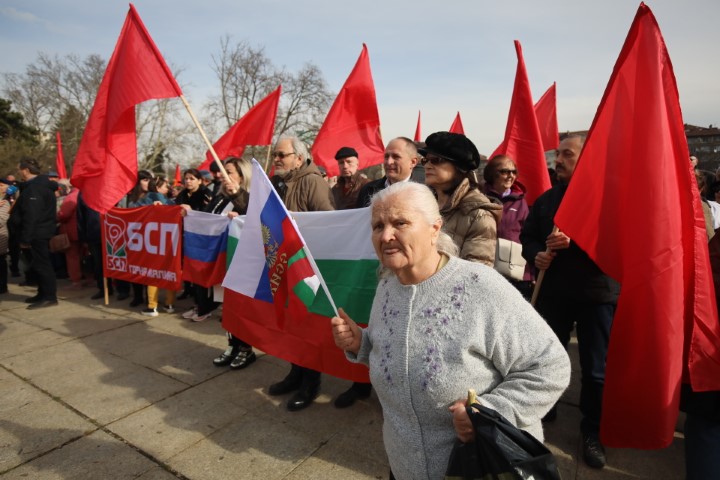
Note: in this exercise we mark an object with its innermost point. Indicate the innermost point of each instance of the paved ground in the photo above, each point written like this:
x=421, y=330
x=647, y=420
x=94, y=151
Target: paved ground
x=95, y=392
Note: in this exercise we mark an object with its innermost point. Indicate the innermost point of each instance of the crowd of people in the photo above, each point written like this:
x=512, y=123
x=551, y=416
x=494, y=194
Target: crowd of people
x=443, y=320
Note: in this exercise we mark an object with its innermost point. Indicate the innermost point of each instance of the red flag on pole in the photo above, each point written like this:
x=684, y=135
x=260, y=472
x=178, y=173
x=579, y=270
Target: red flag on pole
x=352, y=121
x=457, y=126
x=666, y=318
x=546, y=114
x=418, y=135
x=522, y=140
x=178, y=176
x=106, y=164
x=60, y=159
x=256, y=127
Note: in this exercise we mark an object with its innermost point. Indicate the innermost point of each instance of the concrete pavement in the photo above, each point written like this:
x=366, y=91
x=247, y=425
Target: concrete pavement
x=95, y=392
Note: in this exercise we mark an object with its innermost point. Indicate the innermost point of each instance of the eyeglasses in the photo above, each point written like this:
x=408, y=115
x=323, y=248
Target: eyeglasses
x=282, y=155
x=507, y=171
x=433, y=159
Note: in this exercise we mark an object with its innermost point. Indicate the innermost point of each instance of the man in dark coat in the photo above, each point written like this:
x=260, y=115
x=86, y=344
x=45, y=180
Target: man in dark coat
x=33, y=216
x=401, y=156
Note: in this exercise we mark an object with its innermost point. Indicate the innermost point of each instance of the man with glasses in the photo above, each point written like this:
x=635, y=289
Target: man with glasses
x=574, y=292
x=401, y=156
x=303, y=189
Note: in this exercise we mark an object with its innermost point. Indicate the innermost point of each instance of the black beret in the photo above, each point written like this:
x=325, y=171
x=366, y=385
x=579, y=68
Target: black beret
x=214, y=167
x=345, y=152
x=454, y=147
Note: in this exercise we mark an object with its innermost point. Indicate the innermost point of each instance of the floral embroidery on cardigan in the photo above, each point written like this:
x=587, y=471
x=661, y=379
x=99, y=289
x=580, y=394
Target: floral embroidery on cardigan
x=389, y=318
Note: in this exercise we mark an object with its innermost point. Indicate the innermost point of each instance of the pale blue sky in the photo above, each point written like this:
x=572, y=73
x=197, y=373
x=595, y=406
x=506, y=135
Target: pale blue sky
x=437, y=57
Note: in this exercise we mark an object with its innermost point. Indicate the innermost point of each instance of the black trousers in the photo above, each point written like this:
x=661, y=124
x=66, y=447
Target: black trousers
x=42, y=268
x=97, y=264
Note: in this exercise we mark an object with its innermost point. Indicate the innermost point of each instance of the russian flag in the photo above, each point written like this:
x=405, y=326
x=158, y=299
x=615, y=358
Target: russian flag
x=205, y=240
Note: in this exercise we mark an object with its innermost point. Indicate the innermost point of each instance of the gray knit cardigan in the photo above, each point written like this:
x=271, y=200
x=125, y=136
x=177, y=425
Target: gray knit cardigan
x=427, y=344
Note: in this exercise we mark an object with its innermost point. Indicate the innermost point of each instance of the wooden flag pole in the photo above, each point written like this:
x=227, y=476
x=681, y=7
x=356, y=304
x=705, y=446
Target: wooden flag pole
x=267, y=159
x=207, y=141
x=538, y=283
x=105, y=288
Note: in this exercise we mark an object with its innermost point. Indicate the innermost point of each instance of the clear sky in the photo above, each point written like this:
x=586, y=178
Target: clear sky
x=433, y=56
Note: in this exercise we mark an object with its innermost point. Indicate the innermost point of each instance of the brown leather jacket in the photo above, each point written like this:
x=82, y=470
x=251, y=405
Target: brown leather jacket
x=470, y=218
x=305, y=190
x=346, y=191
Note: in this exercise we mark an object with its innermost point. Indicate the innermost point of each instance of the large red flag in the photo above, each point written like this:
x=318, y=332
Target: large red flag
x=546, y=114
x=418, y=135
x=60, y=159
x=106, y=164
x=523, y=142
x=254, y=128
x=352, y=121
x=655, y=244
x=457, y=126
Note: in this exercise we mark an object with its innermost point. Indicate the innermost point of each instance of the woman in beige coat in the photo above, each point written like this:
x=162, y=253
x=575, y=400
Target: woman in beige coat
x=469, y=217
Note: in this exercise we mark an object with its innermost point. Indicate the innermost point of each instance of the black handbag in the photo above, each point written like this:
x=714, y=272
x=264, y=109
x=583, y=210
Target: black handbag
x=500, y=451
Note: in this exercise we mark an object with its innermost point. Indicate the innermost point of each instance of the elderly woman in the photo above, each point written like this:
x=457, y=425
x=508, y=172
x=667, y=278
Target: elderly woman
x=500, y=177
x=469, y=217
x=440, y=325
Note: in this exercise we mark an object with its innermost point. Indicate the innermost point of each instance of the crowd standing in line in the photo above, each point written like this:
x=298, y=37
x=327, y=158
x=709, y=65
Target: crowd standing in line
x=436, y=246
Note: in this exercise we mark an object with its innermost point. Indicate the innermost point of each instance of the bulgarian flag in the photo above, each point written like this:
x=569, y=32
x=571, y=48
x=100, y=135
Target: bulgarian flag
x=276, y=297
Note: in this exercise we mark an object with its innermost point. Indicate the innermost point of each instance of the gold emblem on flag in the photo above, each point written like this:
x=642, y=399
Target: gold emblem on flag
x=271, y=246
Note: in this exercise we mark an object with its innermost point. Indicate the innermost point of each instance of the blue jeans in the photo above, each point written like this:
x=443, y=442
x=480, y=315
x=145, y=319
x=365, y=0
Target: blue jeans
x=593, y=323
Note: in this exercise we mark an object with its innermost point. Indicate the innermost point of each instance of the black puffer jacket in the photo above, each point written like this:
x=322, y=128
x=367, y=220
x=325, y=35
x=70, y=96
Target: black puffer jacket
x=33, y=216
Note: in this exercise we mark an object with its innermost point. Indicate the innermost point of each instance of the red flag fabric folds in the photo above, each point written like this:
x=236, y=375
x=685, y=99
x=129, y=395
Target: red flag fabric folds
x=60, y=159
x=654, y=244
x=178, y=176
x=546, y=114
x=457, y=126
x=418, y=135
x=523, y=142
x=106, y=164
x=352, y=121
x=256, y=127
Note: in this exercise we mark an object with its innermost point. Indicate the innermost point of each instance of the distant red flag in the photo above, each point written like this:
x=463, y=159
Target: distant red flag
x=418, y=135
x=256, y=127
x=546, y=114
x=457, y=126
x=106, y=164
x=522, y=136
x=60, y=159
x=352, y=121
x=666, y=323
x=178, y=176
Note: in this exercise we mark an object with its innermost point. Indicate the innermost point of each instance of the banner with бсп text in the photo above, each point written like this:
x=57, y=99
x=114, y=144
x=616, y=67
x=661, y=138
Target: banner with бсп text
x=143, y=245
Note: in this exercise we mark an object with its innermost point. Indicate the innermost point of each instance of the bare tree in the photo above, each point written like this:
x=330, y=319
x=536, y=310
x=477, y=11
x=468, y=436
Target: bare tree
x=246, y=75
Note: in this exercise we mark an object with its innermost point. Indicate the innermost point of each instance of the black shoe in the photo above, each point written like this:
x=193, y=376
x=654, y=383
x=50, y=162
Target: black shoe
x=184, y=295
x=551, y=415
x=352, y=394
x=123, y=296
x=98, y=295
x=243, y=359
x=3, y=290
x=303, y=398
x=593, y=451
x=286, y=385
x=27, y=283
x=136, y=302
x=42, y=304
x=37, y=298
x=226, y=357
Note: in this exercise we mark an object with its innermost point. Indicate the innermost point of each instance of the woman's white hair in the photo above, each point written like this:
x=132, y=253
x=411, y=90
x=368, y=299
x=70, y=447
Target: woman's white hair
x=421, y=199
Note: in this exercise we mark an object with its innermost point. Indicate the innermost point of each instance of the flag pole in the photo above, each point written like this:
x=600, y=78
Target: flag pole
x=536, y=291
x=207, y=140
x=267, y=159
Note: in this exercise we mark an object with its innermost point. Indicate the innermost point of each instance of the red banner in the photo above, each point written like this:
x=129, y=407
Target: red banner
x=144, y=245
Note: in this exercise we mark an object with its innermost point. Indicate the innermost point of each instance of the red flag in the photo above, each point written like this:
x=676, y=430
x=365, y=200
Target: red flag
x=106, y=164
x=457, y=126
x=178, y=176
x=352, y=121
x=60, y=159
x=254, y=128
x=523, y=142
x=546, y=114
x=418, y=135
x=655, y=246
